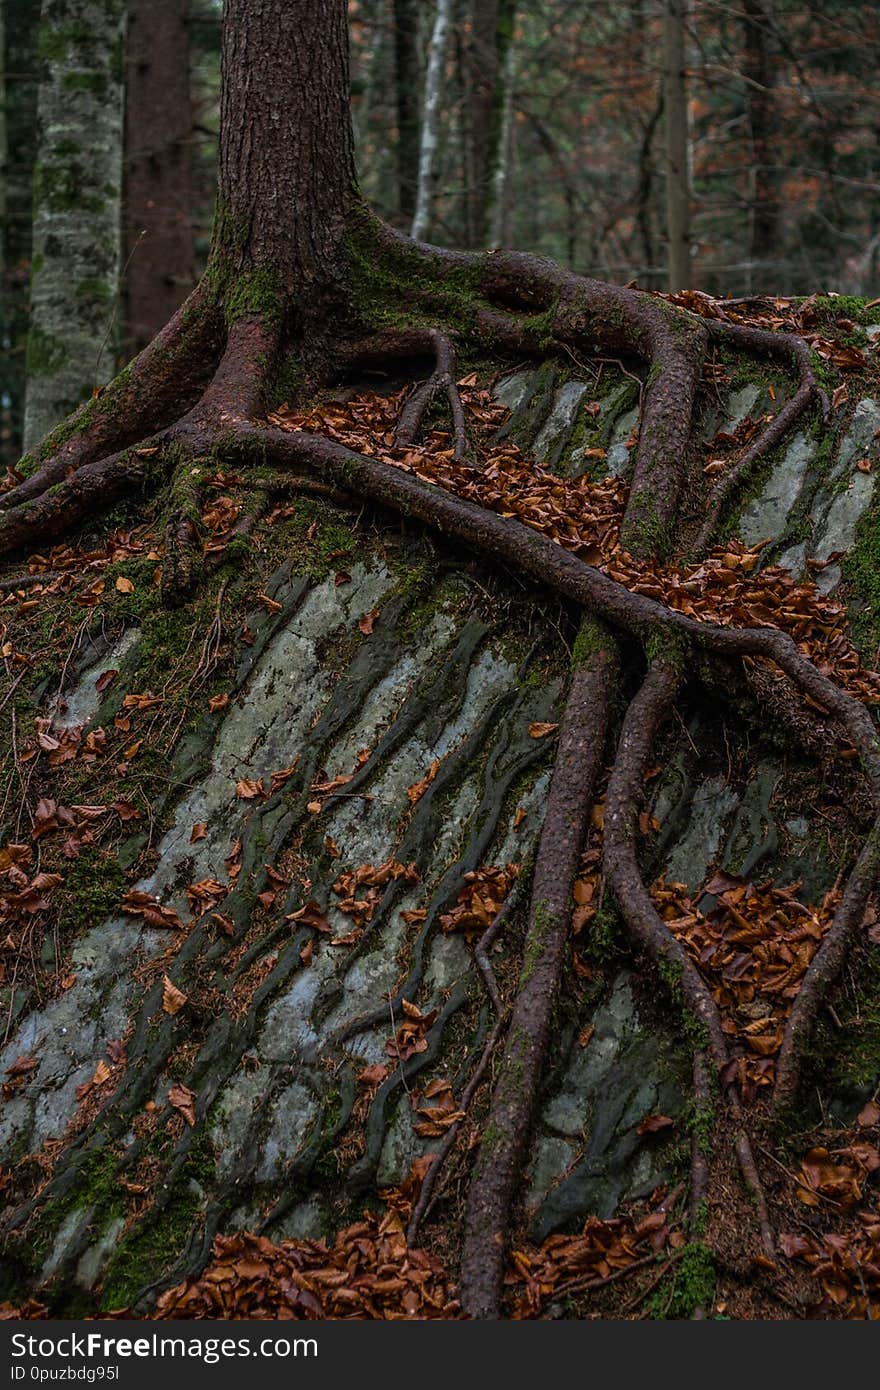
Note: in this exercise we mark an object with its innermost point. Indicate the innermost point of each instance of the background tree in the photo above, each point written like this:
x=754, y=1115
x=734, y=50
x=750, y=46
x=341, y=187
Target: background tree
x=431, y=118
x=20, y=24
x=407, y=70
x=78, y=170
x=159, y=189
x=675, y=122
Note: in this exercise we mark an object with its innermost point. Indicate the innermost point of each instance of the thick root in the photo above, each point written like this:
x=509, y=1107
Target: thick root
x=160, y=385
x=581, y=744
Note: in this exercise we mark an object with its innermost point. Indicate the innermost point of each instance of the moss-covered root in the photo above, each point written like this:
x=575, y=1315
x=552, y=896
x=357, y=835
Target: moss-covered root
x=825, y=967
x=769, y=344
x=155, y=389
x=636, y=747
x=579, y=758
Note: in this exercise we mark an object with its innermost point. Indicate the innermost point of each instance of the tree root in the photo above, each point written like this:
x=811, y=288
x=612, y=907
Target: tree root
x=760, y=341
x=638, y=740
x=158, y=387
x=581, y=744
x=441, y=379
x=699, y=1144
x=825, y=967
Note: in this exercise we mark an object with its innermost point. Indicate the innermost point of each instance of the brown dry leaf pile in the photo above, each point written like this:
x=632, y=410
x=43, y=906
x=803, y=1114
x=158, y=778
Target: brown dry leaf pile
x=584, y=517
x=566, y=1264
x=752, y=949
x=480, y=900
x=837, y=1185
x=368, y=1272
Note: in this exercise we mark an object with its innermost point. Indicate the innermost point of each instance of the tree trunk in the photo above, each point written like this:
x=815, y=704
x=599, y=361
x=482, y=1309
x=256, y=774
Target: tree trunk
x=678, y=216
x=19, y=57
x=481, y=96
x=159, y=252
x=407, y=70
x=501, y=183
x=76, y=234
x=282, y=204
x=760, y=69
x=431, y=105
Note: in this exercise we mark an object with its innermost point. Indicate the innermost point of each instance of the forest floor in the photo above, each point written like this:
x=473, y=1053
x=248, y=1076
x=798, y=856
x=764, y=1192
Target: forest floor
x=249, y=844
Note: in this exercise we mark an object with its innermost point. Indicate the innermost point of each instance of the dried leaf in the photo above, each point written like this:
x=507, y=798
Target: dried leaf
x=173, y=999
x=537, y=730
x=183, y=1100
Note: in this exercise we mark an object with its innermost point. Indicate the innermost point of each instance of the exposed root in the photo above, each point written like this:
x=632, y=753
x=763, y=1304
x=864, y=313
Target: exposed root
x=641, y=726
x=158, y=387
x=86, y=493
x=581, y=744
x=527, y=305
x=751, y=1178
x=825, y=967
x=699, y=1141
x=761, y=341
x=441, y=379
x=182, y=539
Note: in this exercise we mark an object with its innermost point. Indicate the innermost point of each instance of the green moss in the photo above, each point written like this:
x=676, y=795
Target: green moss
x=58, y=187
x=670, y=973
x=844, y=306
x=608, y=938
x=45, y=354
x=690, y=1285
x=95, y=1188
x=861, y=570
x=55, y=40
x=94, y=289
x=95, y=82
x=392, y=286
x=847, y=1058
x=147, y=1251
x=92, y=888
x=544, y=923
x=647, y=535
x=255, y=293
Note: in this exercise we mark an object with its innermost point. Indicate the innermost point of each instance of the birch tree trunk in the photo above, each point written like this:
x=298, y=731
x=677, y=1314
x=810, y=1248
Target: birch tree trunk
x=76, y=231
x=678, y=216
x=158, y=167
x=431, y=119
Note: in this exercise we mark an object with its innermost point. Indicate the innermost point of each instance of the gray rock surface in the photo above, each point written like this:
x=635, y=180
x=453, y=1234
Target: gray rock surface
x=589, y=1154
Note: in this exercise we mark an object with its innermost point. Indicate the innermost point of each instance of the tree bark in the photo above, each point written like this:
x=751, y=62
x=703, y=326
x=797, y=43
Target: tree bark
x=282, y=204
x=159, y=194
x=678, y=221
x=431, y=120
x=77, y=177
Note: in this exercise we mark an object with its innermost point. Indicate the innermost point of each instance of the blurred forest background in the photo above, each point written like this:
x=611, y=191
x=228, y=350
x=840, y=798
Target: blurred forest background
x=729, y=147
